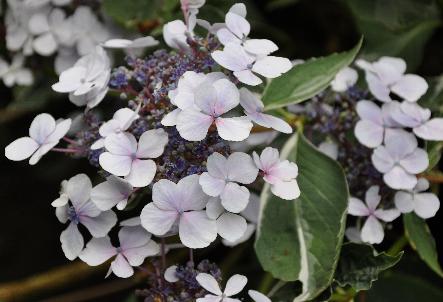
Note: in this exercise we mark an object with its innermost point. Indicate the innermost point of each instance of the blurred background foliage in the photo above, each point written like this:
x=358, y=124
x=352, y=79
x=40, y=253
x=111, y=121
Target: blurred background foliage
x=29, y=231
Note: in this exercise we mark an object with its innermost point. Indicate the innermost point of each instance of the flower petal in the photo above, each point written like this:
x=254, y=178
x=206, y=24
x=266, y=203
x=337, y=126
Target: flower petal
x=109, y=193
x=357, y=207
x=21, y=148
x=271, y=67
x=399, y=179
x=152, y=143
x=416, y=162
x=72, y=241
x=410, y=87
x=119, y=165
x=387, y=215
x=426, y=205
x=121, y=268
x=372, y=231
x=368, y=133
x=235, y=285
x=196, y=230
x=193, y=125
x=258, y=297
x=98, y=251
x=211, y=185
x=101, y=225
x=231, y=226
x=234, y=197
x=234, y=129
x=431, y=130
x=157, y=221
x=241, y=168
x=260, y=46
x=209, y=283
x=288, y=190
x=142, y=173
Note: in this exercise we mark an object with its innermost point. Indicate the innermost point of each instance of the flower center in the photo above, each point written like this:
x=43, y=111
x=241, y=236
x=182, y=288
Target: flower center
x=72, y=215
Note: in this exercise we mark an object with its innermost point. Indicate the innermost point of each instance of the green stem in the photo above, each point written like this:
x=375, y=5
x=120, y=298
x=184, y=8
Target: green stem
x=266, y=283
x=276, y=287
x=398, y=245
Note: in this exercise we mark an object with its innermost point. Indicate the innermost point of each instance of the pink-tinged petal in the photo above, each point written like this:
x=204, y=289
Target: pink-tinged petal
x=174, y=34
x=393, y=116
x=270, y=121
x=193, y=125
x=234, y=128
x=271, y=67
x=241, y=168
x=247, y=77
x=191, y=193
x=41, y=127
x=387, y=215
x=217, y=165
x=260, y=46
x=214, y=208
x=372, y=231
x=21, y=148
x=382, y=160
x=119, y=165
x=431, y=130
x=101, y=225
x=235, y=285
x=238, y=25
x=79, y=190
x=157, y=221
x=399, y=179
x=61, y=129
x=109, y=193
x=368, y=110
x=72, y=241
x=137, y=255
x=152, y=143
x=234, y=197
x=166, y=195
x=70, y=79
x=170, y=119
x=372, y=197
x=288, y=190
x=227, y=97
x=211, y=185
x=225, y=37
x=121, y=144
x=377, y=88
x=410, y=87
x=231, y=226
x=209, y=283
x=233, y=57
x=258, y=297
x=357, y=207
x=142, y=173
x=196, y=229
x=268, y=159
x=284, y=170
x=369, y=134
x=121, y=268
x=98, y=251
x=426, y=205
x=416, y=162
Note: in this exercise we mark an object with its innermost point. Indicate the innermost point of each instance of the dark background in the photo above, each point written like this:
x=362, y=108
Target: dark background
x=29, y=230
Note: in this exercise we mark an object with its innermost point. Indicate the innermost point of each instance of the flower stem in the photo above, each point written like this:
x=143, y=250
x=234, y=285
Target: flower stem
x=191, y=255
x=71, y=141
x=163, y=253
x=434, y=177
x=66, y=150
x=398, y=245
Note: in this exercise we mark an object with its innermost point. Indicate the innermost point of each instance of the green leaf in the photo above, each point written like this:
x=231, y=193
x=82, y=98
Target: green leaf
x=306, y=80
x=433, y=99
x=129, y=14
x=301, y=239
x=360, y=265
x=403, y=287
x=434, y=150
x=422, y=241
x=398, y=28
